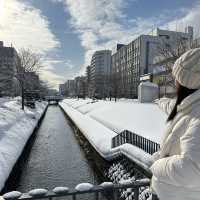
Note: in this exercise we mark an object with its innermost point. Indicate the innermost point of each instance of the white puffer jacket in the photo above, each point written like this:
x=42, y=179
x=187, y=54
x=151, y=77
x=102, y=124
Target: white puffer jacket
x=176, y=171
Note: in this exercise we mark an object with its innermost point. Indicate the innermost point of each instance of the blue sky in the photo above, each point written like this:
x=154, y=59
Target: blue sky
x=67, y=32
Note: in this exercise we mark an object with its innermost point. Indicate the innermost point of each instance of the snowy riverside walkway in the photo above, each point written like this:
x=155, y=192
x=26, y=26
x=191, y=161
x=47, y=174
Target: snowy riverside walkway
x=100, y=121
x=16, y=126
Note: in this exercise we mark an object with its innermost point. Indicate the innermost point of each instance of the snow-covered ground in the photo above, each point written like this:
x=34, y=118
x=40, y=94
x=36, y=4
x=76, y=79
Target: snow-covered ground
x=145, y=119
x=16, y=126
x=101, y=120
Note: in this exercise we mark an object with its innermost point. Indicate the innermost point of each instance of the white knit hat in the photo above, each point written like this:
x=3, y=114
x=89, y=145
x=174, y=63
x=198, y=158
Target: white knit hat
x=186, y=69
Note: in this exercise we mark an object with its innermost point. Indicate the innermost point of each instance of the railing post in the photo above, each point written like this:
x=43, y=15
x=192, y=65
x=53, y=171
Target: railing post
x=154, y=197
x=73, y=197
x=130, y=138
x=123, y=137
x=115, y=196
x=96, y=195
x=117, y=140
x=136, y=193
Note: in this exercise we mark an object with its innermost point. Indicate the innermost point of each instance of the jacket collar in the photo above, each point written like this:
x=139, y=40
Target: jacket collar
x=189, y=101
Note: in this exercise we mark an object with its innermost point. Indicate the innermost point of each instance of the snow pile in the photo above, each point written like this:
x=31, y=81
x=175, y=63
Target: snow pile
x=12, y=195
x=16, y=126
x=107, y=184
x=84, y=187
x=38, y=192
x=137, y=155
x=60, y=190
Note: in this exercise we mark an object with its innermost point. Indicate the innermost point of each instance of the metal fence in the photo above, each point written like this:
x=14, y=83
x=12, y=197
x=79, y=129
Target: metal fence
x=113, y=192
x=136, y=140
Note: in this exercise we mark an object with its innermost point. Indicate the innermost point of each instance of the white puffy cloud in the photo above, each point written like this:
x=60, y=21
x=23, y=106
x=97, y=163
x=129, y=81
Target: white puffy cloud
x=24, y=26
x=103, y=24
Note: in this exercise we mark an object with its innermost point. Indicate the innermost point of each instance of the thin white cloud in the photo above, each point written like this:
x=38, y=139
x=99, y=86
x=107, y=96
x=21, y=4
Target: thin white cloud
x=53, y=79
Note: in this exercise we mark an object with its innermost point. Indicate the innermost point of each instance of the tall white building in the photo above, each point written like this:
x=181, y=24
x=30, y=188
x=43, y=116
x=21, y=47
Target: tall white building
x=100, y=69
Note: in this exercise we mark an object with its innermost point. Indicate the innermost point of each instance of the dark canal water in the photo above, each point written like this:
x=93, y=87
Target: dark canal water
x=56, y=159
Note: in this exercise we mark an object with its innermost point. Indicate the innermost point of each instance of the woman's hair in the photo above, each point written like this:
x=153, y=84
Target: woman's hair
x=182, y=93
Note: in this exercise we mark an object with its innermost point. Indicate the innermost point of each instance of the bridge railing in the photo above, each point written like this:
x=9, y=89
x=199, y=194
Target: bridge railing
x=113, y=192
x=136, y=140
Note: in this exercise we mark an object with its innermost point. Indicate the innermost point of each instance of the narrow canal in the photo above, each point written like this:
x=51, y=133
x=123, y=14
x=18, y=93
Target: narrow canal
x=56, y=159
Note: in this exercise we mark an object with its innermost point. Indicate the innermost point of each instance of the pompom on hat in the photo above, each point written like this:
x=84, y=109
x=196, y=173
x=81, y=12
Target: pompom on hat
x=186, y=69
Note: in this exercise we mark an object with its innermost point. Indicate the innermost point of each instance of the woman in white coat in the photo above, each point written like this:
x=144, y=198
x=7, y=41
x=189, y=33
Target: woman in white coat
x=176, y=170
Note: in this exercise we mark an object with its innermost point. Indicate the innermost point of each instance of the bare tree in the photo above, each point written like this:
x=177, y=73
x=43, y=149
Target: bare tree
x=28, y=62
x=168, y=53
x=43, y=89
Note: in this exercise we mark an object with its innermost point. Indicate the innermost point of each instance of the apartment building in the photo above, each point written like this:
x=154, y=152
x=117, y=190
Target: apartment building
x=88, y=81
x=137, y=58
x=80, y=86
x=67, y=88
x=100, y=73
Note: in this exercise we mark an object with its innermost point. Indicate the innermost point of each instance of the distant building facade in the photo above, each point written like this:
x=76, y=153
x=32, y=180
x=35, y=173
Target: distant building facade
x=80, y=87
x=8, y=58
x=137, y=59
x=67, y=88
x=100, y=69
x=88, y=81
x=62, y=89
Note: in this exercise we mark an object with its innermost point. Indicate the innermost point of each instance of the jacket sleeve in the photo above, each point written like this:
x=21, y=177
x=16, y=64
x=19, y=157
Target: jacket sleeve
x=182, y=169
x=166, y=104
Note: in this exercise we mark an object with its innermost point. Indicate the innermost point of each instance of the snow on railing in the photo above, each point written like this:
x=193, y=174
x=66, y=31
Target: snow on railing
x=84, y=188
x=136, y=140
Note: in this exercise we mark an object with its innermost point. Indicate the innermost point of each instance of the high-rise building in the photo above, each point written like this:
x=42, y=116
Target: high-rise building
x=67, y=88
x=88, y=81
x=8, y=60
x=62, y=89
x=100, y=73
x=137, y=58
x=80, y=86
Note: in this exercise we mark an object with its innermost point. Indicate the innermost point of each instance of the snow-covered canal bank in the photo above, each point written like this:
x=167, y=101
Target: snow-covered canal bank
x=100, y=121
x=16, y=127
x=56, y=159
